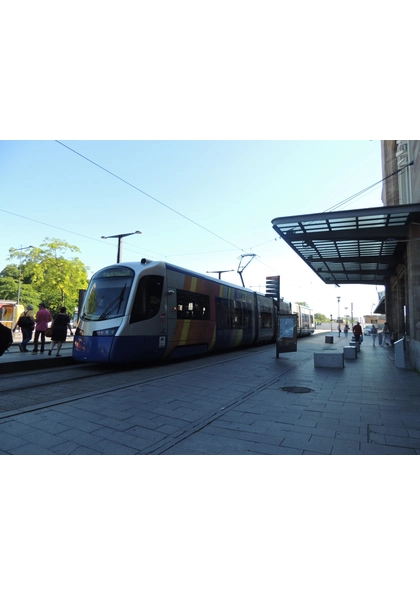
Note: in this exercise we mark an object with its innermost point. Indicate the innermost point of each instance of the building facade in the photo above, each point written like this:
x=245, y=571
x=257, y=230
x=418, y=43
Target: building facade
x=402, y=291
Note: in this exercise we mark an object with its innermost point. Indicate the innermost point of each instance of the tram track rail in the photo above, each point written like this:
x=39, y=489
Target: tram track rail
x=54, y=376
x=37, y=387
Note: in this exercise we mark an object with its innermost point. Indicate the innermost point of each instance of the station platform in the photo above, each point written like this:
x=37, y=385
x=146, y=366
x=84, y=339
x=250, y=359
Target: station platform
x=246, y=403
x=13, y=360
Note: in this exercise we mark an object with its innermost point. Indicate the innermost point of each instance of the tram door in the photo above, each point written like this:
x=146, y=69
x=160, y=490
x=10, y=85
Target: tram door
x=222, y=322
x=172, y=317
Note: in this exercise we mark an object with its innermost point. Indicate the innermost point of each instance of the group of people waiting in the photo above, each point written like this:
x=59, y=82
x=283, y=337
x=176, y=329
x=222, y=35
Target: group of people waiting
x=28, y=322
x=358, y=333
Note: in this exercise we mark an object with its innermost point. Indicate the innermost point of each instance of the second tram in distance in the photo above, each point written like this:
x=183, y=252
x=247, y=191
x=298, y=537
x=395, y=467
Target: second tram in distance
x=144, y=311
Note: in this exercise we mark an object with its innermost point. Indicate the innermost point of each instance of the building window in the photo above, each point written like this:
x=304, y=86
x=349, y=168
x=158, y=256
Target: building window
x=404, y=177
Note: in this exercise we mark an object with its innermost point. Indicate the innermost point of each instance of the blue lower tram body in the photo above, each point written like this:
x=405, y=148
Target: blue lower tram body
x=117, y=349
x=130, y=349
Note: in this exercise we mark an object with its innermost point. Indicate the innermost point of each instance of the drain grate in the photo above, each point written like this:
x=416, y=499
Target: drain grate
x=296, y=389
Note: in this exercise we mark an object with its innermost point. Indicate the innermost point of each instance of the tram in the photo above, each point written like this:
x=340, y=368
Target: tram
x=306, y=319
x=145, y=311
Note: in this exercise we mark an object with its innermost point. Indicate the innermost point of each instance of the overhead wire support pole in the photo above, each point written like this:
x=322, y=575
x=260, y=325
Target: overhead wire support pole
x=219, y=272
x=119, y=237
x=20, y=269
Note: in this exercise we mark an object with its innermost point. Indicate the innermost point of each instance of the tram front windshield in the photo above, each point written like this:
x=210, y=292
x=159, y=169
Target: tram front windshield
x=107, y=294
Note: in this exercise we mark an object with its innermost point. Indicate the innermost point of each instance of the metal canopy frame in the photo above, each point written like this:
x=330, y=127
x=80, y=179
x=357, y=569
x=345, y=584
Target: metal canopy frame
x=361, y=246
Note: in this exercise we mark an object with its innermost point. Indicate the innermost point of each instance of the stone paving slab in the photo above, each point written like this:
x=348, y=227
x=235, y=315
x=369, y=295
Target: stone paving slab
x=238, y=408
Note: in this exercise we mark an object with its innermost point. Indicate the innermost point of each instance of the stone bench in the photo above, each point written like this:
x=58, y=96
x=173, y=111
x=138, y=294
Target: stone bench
x=329, y=339
x=328, y=359
x=350, y=352
x=355, y=344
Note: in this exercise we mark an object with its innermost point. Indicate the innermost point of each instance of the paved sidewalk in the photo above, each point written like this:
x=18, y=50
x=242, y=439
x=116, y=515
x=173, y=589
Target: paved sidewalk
x=251, y=404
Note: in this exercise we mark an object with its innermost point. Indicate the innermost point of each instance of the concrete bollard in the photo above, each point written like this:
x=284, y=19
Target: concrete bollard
x=327, y=359
x=350, y=352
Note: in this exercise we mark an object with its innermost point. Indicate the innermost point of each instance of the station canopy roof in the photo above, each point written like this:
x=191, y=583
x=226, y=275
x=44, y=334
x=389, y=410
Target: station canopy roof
x=351, y=246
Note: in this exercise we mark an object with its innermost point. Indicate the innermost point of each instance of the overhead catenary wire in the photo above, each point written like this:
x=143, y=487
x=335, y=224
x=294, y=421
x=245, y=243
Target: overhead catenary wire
x=354, y=196
x=199, y=253
x=163, y=204
x=350, y=198
x=149, y=195
x=135, y=251
x=16, y=214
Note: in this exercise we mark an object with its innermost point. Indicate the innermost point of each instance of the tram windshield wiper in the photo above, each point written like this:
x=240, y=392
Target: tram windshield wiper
x=115, y=302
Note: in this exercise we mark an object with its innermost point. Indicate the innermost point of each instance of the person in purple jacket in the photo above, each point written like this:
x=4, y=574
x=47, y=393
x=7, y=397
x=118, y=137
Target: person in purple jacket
x=42, y=318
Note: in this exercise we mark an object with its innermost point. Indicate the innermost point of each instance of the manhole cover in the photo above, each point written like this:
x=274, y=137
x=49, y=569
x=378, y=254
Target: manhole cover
x=296, y=389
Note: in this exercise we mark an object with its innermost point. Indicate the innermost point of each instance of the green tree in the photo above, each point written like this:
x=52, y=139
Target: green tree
x=55, y=278
x=302, y=303
x=321, y=318
x=9, y=286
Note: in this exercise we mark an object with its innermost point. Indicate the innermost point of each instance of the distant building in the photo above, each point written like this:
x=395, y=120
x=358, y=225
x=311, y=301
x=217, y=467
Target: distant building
x=377, y=319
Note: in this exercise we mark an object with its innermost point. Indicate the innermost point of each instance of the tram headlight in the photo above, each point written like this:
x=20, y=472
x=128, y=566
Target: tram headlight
x=105, y=332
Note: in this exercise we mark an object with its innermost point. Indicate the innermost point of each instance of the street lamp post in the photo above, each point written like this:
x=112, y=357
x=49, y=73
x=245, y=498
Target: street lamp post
x=28, y=247
x=119, y=237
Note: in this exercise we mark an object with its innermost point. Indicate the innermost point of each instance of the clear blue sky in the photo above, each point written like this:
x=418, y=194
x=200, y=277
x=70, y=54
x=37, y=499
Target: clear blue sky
x=226, y=194
x=229, y=70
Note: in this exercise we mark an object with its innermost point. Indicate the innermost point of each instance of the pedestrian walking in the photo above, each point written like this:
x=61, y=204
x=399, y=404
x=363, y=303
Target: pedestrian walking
x=374, y=333
x=339, y=330
x=42, y=318
x=386, y=334
x=26, y=323
x=346, y=330
x=357, y=332
x=60, y=324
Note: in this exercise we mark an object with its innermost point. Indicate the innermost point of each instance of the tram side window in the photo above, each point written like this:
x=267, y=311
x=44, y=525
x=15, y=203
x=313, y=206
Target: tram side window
x=192, y=306
x=305, y=320
x=266, y=319
x=236, y=314
x=247, y=313
x=148, y=298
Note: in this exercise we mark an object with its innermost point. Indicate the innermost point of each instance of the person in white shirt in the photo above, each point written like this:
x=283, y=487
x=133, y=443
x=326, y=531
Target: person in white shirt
x=386, y=335
x=374, y=333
